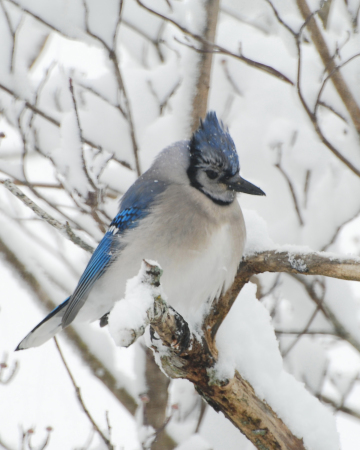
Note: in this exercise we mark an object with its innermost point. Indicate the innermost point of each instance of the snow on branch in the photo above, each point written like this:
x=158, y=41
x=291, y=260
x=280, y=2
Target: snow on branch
x=291, y=262
x=65, y=230
x=185, y=355
x=214, y=48
x=311, y=263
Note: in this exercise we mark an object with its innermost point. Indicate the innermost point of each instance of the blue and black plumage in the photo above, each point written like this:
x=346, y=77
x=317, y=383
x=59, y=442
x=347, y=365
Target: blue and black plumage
x=182, y=213
x=212, y=144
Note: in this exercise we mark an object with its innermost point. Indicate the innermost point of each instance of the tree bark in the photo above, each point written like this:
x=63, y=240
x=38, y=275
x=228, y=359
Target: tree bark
x=155, y=408
x=188, y=357
x=200, y=99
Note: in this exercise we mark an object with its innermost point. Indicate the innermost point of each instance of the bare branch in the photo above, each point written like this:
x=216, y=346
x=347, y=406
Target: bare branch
x=336, y=77
x=284, y=24
x=338, y=229
x=81, y=401
x=81, y=136
x=339, y=328
x=311, y=114
x=342, y=408
x=55, y=122
x=12, y=32
x=291, y=187
x=12, y=371
x=213, y=48
x=333, y=110
x=113, y=58
x=202, y=85
x=95, y=365
x=229, y=78
x=302, y=333
x=329, y=77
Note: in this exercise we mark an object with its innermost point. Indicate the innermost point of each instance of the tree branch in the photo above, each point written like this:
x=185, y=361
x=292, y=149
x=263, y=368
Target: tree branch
x=95, y=365
x=65, y=230
x=330, y=65
x=312, y=263
x=200, y=99
x=214, y=48
x=186, y=356
x=55, y=122
x=81, y=401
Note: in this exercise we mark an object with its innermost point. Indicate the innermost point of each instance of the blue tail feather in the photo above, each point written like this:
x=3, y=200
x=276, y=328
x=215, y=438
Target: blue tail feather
x=46, y=329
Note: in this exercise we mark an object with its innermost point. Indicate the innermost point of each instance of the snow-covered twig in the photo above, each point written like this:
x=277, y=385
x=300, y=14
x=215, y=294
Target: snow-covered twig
x=119, y=78
x=330, y=65
x=303, y=263
x=53, y=121
x=214, y=48
x=65, y=230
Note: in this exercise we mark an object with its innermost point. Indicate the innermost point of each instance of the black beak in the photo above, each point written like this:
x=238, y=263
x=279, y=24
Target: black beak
x=238, y=184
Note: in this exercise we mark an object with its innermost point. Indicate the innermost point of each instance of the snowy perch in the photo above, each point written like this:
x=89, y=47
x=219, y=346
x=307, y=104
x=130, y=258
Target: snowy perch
x=183, y=355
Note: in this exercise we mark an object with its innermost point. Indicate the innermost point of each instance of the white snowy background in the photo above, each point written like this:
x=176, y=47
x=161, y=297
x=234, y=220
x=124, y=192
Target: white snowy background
x=45, y=45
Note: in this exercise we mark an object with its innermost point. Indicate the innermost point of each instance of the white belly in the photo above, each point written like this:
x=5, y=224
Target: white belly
x=199, y=258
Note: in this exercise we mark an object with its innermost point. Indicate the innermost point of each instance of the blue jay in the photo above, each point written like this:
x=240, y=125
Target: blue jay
x=182, y=213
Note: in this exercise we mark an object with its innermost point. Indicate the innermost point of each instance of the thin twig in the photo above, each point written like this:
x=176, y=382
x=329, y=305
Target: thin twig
x=342, y=408
x=291, y=187
x=12, y=32
x=55, y=122
x=329, y=77
x=11, y=375
x=92, y=184
x=203, y=406
x=40, y=88
x=113, y=58
x=311, y=114
x=321, y=46
x=65, y=230
x=284, y=24
x=302, y=333
x=229, y=77
x=337, y=231
x=99, y=95
x=214, y=48
x=80, y=399
x=333, y=110
x=340, y=330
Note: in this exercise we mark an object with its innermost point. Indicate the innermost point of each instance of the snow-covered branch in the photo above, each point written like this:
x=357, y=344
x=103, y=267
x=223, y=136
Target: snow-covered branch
x=208, y=46
x=182, y=354
x=65, y=230
x=310, y=263
x=330, y=65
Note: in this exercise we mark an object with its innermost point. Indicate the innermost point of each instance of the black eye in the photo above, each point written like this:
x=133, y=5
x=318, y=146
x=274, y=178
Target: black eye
x=211, y=174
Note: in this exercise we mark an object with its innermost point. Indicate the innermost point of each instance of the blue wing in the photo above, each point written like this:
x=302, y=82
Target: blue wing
x=135, y=205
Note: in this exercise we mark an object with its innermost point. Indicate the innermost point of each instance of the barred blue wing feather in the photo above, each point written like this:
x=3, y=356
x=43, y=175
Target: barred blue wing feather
x=134, y=206
x=105, y=254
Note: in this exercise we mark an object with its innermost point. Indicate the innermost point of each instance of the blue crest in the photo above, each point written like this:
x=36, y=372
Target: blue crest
x=212, y=144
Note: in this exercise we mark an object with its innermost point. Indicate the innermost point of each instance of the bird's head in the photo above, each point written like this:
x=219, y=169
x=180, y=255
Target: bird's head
x=214, y=163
